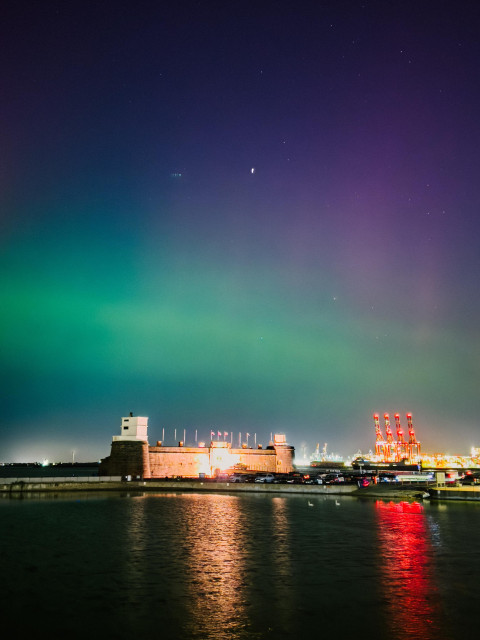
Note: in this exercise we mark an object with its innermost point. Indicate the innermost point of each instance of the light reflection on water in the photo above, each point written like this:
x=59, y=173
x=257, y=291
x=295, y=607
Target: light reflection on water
x=227, y=562
x=242, y=567
x=215, y=533
x=407, y=568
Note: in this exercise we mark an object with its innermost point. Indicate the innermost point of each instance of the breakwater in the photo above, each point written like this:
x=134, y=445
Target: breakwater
x=455, y=493
x=172, y=485
x=55, y=485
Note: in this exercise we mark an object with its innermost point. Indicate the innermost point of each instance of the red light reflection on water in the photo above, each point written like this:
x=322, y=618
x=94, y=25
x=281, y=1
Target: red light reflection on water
x=413, y=602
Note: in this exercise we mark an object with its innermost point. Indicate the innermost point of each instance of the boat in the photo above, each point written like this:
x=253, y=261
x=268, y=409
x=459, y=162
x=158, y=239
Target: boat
x=364, y=463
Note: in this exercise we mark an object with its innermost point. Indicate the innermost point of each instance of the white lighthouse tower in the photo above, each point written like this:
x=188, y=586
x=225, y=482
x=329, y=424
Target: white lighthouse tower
x=133, y=428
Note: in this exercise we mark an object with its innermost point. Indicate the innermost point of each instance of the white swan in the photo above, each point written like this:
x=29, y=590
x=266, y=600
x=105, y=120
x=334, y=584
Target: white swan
x=310, y=504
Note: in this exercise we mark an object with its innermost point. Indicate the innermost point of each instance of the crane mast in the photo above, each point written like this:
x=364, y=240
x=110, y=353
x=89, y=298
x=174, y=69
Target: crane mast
x=413, y=444
x=390, y=444
x=401, y=449
x=380, y=440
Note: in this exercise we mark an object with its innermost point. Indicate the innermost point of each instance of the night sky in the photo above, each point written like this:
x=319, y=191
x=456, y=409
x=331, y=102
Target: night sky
x=246, y=216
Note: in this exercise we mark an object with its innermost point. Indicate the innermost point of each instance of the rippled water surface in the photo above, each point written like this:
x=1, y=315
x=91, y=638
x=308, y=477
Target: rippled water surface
x=238, y=566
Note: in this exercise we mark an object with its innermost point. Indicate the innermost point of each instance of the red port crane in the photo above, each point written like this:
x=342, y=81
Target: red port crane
x=380, y=440
x=390, y=445
x=401, y=451
x=413, y=444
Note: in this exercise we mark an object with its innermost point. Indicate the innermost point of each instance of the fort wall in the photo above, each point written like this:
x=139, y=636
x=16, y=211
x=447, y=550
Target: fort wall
x=132, y=456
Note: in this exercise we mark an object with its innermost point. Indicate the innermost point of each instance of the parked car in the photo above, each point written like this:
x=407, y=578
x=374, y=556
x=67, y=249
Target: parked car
x=296, y=478
x=334, y=478
x=387, y=477
x=237, y=477
x=265, y=477
x=363, y=482
x=470, y=479
x=281, y=478
x=451, y=478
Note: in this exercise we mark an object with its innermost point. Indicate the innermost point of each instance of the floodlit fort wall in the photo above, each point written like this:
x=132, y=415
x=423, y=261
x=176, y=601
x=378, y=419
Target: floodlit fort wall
x=131, y=455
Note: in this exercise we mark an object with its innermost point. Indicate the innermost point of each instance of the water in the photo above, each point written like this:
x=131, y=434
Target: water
x=242, y=567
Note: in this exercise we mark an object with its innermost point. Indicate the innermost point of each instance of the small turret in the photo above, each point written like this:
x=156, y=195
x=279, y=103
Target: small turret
x=133, y=428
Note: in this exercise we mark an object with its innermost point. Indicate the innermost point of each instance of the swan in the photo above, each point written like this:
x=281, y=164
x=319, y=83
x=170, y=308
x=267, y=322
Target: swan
x=310, y=504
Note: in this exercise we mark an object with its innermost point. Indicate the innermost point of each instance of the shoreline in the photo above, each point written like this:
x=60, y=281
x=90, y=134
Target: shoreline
x=373, y=491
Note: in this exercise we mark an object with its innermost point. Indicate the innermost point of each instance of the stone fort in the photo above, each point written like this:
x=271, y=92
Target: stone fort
x=131, y=455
